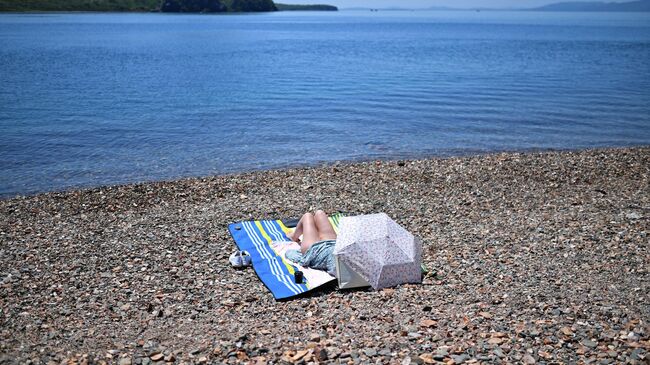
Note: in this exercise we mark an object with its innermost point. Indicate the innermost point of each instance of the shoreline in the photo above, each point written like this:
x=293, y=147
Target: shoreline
x=314, y=165
x=534, y=258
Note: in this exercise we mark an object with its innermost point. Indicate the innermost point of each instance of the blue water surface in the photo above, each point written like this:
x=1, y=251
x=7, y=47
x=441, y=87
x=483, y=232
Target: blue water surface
x=98, y=99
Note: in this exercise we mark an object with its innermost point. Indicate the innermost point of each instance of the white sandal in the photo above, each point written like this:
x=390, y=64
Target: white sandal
x=240, y=259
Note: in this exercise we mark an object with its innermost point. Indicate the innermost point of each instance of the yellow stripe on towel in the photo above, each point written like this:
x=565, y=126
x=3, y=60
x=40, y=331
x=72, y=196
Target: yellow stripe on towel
x=284, y=228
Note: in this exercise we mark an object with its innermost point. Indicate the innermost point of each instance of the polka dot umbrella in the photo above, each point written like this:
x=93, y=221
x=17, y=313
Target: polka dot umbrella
x=378, y=250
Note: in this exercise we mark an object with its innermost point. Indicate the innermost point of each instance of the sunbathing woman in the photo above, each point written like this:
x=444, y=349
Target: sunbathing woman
x=317, y=243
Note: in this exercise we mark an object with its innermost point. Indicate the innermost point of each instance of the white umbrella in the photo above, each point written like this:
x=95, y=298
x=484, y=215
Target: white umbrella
x=377, y=250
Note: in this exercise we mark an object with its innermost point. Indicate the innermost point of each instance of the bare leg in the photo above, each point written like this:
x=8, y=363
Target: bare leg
x=297, y=232
x=325, y=229
x=307, y=228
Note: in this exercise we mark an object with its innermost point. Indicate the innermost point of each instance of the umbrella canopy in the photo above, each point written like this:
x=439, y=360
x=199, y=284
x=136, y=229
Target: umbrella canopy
x=379, y=250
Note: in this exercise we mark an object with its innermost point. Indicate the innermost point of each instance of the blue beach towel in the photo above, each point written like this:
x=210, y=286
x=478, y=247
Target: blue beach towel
x=267, y=243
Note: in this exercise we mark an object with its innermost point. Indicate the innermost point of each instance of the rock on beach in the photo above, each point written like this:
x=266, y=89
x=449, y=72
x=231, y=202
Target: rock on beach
x=533, y=258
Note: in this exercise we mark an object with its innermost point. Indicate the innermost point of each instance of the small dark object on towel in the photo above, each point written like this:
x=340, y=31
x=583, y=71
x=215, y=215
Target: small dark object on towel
x=298, y=277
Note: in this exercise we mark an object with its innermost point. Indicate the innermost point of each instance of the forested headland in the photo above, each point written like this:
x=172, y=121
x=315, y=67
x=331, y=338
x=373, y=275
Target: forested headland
x=315, y=7
x=216, y=6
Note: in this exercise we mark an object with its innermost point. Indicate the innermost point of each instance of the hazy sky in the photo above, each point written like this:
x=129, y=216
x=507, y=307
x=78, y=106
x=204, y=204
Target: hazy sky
x=428, y=3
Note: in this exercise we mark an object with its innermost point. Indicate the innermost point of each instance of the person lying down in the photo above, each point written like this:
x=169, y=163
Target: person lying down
x=317, y=242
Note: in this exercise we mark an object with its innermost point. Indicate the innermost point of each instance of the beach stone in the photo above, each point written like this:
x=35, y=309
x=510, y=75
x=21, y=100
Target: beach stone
x=157, y=356
x=321, y=354
x=314, y=337
x=533, y=333
x=334, y=352
x=496, y=341
x=427, y=358
x=636, y=354
x=438, y=356
x=441, y=353
x=428, y=323
x=527, y=359
x=460, y=359
x=370, y=352
x=566, y=331
x=589, y=343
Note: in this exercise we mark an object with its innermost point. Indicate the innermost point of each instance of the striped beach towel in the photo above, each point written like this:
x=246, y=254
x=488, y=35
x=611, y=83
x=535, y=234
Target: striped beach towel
x=267, y=243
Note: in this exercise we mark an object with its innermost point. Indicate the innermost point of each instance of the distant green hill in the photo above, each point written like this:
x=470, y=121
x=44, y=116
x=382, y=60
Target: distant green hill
x=216, y=6
x=79, y=5
x=250, y=5
x=192, y=6
x=631, y=6
x=318, y=7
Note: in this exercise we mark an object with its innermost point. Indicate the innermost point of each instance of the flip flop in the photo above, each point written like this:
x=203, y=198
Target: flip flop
x=240, y=259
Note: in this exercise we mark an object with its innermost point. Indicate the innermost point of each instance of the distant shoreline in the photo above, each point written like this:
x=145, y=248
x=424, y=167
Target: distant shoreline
x=323, y=164
x=219, y=6
x=320, y=11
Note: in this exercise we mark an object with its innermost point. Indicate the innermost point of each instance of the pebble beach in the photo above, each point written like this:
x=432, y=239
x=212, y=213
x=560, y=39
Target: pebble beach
x=533, y=258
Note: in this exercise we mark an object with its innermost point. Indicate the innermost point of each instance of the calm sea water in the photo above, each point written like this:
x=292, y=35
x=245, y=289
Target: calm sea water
x=96, y=99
